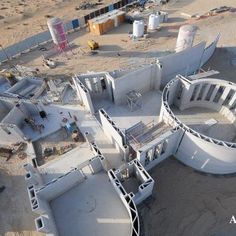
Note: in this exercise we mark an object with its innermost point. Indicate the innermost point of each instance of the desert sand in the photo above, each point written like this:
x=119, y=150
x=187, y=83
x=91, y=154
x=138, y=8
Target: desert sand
x=184, y=202
x=188, y=203
x=21, y=19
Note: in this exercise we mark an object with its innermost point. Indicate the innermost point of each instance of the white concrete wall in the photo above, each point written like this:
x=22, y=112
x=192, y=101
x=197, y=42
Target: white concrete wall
x=45, y=224
x=23, y=84
x=209, y=51
x=90, y=75
x=60, y=185
x=96, y=164
x=38, y=204
x=189, y=86
x=228, y=114
x=108, y=82
x=206, y=156
x=203, y=153
x=172, y=94
x=146, y=188
x=136, y=170
x=33, y=109
x=41, y=197
x=188, y=91
x=10, y=134
x=141, y=80
x=84, y=95
x=127, y=200
x=185, y=63
x=112, y=131
x=15, y=116
x=5, y=108
x=74, y=79
x=122, y=72
x=32, y=178
x=99, y=154
x=172, y=139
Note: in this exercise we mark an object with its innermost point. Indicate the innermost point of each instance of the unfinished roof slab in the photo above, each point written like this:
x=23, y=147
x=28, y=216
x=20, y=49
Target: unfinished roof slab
x=92, y=208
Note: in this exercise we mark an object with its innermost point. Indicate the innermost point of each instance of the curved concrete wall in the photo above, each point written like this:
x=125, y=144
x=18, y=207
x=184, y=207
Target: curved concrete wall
x=202, y=90
x=186, y=62
x=209, y=51
x=206, y=156
x=199, y=151
x=128, y=202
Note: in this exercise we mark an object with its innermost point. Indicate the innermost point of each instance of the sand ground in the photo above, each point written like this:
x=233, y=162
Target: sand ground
x=20, y=19
x=186, y=202
x=16, y=217
x=117, y=51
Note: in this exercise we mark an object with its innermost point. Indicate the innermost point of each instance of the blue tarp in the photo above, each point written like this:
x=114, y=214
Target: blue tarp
x=111, y=7
x=75, y=23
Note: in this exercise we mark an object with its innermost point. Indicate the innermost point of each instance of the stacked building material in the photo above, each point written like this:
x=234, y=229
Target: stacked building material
x=103, y=23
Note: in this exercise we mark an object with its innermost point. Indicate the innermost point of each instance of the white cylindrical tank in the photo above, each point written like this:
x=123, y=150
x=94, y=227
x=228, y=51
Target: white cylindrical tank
x=56, y=28
x=163, y=16
x=185, y=37
x=153, y=22
x=138, y=28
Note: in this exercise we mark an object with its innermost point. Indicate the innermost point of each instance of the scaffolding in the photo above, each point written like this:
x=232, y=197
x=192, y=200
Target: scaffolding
x=141, y=134
x=134, y=100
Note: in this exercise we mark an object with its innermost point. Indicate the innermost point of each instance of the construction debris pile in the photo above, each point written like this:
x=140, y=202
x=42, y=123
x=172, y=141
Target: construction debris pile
x=87, y=5
x=220, y=10
x=57, y=150
x=212, y=12
x=7, y=151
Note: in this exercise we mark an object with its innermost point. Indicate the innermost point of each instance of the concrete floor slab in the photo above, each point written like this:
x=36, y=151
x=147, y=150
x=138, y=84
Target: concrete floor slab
x=92, y=208
x=3, y=114
x=51, y=124
x=124, y=118
x=89, y=123
x=196, y=117
x=65, y=163
x=4, y=86
x=131, y=184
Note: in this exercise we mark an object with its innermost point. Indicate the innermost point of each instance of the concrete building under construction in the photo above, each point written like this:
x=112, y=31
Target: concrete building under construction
x=92, y=141
x=95, y=188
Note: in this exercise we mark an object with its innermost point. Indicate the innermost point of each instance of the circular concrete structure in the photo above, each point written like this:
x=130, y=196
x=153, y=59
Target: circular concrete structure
x=198, y=147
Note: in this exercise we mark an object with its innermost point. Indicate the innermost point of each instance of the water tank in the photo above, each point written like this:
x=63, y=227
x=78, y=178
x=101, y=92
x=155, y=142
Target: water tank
x=185, y=37
x=56, y=28
x=138, y=28
x=153, y=22
x=163, y=16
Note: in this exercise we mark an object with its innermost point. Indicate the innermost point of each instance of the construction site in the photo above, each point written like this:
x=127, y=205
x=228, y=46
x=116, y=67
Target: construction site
x=118, y=118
